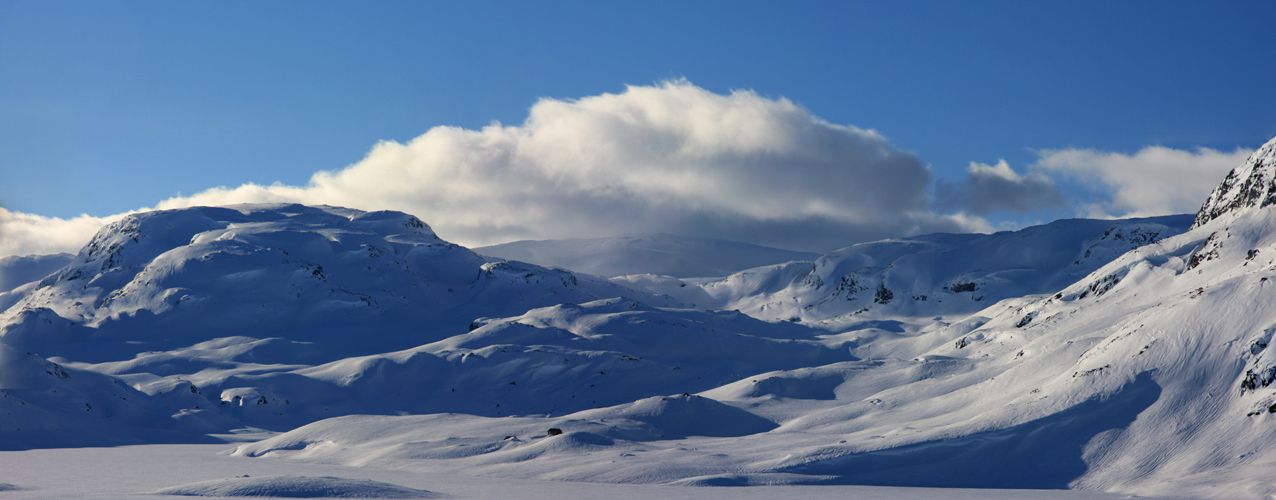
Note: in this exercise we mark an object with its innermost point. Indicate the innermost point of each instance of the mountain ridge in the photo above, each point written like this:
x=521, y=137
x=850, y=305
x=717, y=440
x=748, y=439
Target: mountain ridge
x=655, y=253
x=1250, y=184
x=925, y=275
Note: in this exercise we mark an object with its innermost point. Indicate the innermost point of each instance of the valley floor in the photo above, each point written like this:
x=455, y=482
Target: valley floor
x=135, y=472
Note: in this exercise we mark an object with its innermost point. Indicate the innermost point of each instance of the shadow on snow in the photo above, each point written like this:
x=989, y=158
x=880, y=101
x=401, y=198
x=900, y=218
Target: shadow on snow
x=1041, y=454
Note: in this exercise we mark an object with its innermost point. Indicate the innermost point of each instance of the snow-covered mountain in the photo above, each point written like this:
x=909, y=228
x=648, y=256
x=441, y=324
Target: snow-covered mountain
x=659, y=254
x=343, y=281
x=1154, y=372
x=277, y=315
x=1124, y=356
x=922, y=276
x=1250, y=185
x=19, y=274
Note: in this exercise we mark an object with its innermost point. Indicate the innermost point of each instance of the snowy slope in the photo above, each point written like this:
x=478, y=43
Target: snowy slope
x=19, y=274
x=552, y=360
x=939, y=274
x=44, y=404
x=661, y=254
x=1152, y=373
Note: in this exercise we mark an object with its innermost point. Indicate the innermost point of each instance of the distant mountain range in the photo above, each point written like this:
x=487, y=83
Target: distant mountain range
x=22, y=269
x=921, y=276
x=661, y=254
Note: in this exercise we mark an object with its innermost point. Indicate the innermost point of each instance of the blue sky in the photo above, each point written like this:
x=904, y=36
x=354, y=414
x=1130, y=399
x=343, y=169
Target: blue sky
x=113, y=106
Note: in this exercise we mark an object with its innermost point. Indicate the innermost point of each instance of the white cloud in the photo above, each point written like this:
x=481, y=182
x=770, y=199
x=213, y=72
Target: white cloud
x=998, y=188
x=671, y=157
x=677, y=158
x=1154, y=181
x=22, y=233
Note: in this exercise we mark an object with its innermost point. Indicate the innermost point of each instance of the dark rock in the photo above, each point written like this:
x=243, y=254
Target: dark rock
x=960, y=286
x=883, y=295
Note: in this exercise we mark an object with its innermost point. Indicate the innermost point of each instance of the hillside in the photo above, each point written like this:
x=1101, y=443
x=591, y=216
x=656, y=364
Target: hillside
x=19, y=274
x=344, y=282
x=552, y=360
x=950, y=275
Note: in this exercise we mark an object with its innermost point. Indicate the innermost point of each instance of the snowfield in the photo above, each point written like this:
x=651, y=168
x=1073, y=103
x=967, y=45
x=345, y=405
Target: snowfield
x=1126, y=357
x=58, y=474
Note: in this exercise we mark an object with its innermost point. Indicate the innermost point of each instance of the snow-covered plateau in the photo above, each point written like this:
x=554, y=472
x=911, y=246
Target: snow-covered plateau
x=372, y=358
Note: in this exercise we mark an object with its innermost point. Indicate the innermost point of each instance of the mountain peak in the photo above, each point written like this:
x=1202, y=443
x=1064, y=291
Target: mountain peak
x=1252, y=184
x=317, y=274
